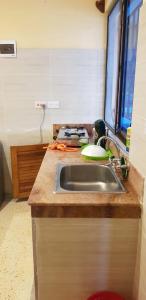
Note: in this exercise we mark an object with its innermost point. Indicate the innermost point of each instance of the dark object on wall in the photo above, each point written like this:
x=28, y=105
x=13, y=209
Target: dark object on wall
x=8, y=48
x=26, y=162
x=100, y=130
x=100, y=4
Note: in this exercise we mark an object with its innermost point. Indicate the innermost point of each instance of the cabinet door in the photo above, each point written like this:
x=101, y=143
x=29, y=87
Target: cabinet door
x=26, y=162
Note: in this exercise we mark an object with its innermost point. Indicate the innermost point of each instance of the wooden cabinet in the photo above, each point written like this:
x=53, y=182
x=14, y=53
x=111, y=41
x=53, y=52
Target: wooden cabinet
x=75, y=257
x=26, y=161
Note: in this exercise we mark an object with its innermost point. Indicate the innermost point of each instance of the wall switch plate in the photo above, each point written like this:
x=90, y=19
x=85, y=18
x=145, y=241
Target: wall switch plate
x=53, y=104
x=40, y=104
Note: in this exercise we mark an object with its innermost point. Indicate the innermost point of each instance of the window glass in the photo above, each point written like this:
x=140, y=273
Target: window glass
x=121, y=65
x=129, y=65
x=114, y=34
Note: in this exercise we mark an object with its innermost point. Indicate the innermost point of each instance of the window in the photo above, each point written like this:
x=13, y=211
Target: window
x=112, y=71
x=129, y=64
x=121, y=64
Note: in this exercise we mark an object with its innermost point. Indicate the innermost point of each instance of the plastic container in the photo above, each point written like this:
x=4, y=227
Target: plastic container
x=128, y=137
x=93, y=151
x=106, y=295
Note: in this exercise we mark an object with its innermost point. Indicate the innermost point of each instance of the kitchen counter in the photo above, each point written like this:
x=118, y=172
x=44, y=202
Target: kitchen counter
x=46, y=203
x=83, y=242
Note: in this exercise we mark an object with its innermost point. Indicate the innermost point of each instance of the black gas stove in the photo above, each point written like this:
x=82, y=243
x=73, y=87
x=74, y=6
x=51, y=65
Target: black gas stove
x=72, y=135
x=75, y=132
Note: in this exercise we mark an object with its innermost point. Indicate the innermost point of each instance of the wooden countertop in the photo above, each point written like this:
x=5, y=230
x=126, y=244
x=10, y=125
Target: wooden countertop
x=46, y=203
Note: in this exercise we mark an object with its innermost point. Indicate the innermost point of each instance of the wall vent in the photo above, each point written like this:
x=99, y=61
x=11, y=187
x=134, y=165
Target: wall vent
x=7, y=48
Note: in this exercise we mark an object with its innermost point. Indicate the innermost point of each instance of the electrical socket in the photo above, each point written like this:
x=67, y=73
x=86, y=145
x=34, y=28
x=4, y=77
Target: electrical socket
x=40, y=104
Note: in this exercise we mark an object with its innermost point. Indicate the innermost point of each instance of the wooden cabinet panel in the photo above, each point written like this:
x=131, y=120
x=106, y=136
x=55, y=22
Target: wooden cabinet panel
x=26, y=161
x=74, y=258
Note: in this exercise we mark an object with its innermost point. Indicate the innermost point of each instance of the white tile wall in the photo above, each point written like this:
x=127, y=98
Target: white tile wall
x=75, y=77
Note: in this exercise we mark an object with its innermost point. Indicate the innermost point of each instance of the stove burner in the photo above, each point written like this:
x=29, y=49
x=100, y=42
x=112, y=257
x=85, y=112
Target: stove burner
x=80, y=128
x=66, y=133
x=79, y=134
x=82, y=134
x=72, y=134
x=67, y=128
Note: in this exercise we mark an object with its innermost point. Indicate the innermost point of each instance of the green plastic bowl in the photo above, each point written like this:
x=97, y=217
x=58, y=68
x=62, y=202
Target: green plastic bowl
x=105, y=157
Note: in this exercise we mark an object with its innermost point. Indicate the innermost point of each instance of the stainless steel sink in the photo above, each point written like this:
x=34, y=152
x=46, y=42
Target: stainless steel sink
x=87, y=178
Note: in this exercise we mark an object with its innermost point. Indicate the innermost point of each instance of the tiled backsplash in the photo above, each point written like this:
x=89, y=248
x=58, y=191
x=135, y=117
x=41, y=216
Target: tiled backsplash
x=74, y=77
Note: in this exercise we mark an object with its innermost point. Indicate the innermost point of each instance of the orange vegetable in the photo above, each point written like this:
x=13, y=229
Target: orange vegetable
x=69, y=149
x=61, y=147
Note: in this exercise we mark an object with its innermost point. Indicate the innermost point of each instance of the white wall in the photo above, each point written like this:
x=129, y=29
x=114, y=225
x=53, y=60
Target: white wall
x=109, y=4
x=60, y=56
x=74, y=77
x=138, y=142
x=52, y=23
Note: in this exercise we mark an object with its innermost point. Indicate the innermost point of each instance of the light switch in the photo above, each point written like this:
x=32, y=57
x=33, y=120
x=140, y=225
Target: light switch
x=53, y=104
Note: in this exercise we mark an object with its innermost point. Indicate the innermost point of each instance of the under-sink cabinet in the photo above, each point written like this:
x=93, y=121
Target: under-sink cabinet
x=83, y=242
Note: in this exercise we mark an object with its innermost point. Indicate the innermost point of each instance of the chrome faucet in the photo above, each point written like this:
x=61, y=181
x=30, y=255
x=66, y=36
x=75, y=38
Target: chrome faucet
x=120, y=163
x=104, y=137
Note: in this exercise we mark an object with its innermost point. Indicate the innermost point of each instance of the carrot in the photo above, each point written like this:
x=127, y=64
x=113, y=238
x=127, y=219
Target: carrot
x=61, y=147
x=52, y=146
x=71, y=149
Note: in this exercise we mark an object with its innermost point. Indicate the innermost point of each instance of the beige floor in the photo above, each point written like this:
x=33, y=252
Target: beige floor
x=16, y=262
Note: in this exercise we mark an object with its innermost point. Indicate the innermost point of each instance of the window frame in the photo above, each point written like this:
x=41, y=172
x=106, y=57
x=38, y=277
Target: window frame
x=122, y=132
x=120, y=79
x=119, y=69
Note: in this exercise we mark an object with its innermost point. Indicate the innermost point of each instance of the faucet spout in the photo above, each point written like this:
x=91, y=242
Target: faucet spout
x=111, y=140
x=117, y=163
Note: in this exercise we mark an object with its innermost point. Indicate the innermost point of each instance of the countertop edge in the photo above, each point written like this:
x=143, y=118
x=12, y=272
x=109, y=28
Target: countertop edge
x=87, y=211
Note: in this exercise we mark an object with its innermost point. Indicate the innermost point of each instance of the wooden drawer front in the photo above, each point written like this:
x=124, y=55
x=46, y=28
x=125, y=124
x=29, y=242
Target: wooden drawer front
x=26, y=161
